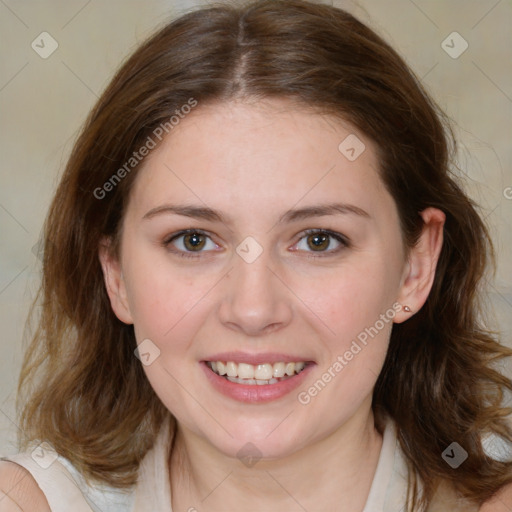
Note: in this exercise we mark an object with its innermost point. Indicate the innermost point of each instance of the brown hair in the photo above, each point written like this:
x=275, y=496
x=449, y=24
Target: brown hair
x=87, y=393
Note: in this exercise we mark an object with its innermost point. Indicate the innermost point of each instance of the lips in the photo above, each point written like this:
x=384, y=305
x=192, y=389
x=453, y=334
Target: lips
x=256, y=378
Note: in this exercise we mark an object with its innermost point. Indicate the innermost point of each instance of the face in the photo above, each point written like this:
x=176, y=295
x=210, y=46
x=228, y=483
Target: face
x=253, y=240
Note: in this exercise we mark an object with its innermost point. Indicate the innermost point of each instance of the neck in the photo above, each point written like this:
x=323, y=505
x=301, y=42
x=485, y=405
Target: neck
x=338, y=469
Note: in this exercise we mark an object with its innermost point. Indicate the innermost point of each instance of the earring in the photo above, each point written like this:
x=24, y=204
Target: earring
x=407, y=309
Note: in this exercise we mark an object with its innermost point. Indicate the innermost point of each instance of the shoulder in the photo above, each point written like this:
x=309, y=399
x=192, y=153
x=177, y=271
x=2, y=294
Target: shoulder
x=500, y=502
x=19, y=491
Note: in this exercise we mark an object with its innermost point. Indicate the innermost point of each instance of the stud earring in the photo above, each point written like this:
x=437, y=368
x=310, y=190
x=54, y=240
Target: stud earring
x=407, y=309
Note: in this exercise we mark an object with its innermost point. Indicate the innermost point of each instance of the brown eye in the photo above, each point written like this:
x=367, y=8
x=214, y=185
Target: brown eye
x=189, y=242
x=318, y=241
x=194, y=241
x=323, y=242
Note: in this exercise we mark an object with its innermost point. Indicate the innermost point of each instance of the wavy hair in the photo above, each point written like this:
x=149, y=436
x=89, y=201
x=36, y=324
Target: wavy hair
x=82, y=389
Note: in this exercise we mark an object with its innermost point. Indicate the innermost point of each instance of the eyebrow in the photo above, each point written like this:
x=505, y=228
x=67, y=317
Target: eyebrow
x=196, y=212
x=209, y=214
x=322, y=210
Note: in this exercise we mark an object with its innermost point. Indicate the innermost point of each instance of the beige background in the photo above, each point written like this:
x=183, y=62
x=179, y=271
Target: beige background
x=44, y=101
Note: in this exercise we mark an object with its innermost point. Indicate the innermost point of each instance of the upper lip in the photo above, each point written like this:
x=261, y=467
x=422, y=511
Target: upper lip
x=254, y=359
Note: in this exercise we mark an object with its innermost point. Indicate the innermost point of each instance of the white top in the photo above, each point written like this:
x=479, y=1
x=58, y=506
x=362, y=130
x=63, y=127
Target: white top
x=65, y=488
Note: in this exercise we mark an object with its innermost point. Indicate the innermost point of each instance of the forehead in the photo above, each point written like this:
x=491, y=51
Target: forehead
x=260, y=158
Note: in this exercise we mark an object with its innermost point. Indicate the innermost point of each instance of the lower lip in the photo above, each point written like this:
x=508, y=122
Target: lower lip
x=255, y=393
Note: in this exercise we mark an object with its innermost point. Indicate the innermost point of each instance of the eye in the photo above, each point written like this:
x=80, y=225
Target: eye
x=321, y=241
x=190, y=241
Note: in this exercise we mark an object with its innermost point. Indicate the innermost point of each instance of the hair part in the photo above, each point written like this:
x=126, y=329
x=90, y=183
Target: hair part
x=81, y=387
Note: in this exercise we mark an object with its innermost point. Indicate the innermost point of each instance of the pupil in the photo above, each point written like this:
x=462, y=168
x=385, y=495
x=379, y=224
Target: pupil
x=319, y=241
x=194, y=241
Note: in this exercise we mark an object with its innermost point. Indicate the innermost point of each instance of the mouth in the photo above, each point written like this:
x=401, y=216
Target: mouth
x=256, y=375
x=256, y=383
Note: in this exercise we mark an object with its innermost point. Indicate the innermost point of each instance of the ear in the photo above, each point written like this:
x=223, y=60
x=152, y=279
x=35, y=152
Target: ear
x=420, y=269
x=114, y=282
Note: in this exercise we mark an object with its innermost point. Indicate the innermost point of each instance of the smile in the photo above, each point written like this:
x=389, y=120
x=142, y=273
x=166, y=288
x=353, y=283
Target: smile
x=260, y=374
x=256, y=383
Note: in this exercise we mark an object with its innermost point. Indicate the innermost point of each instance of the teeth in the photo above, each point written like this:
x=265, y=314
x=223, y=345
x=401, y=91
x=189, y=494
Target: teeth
x=256, y=374
x=231, y=369
x=221, y=368
x=289, y=368
x=245, y=371
x=278, y=370
x=263, y=372
x=252, y=382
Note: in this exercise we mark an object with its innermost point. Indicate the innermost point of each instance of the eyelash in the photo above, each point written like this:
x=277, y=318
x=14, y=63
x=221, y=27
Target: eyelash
x=341, y=239
x=184, y=254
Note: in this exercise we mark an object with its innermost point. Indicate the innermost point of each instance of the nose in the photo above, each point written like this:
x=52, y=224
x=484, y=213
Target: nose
x=254, y=300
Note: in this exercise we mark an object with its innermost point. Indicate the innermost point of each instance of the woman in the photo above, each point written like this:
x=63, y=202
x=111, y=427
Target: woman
x=259, y=287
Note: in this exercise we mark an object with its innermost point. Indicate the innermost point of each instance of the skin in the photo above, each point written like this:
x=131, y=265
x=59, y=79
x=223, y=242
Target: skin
x=253, y=162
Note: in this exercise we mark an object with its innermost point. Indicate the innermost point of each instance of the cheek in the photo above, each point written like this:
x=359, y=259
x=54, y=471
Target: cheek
x=168, y=308
x=162, y=297
x=351, y=299
x=354, y=310
x=360, y=319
